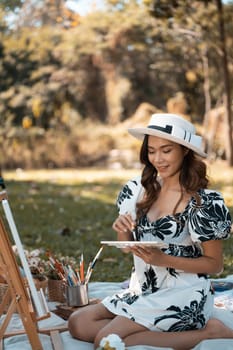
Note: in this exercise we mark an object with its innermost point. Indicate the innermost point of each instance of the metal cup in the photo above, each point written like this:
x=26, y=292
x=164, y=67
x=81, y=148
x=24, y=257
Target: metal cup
x=77, y=295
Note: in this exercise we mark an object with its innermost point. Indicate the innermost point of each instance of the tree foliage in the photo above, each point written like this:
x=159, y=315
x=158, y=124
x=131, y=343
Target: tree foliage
x=105, y=64
x=11, y=5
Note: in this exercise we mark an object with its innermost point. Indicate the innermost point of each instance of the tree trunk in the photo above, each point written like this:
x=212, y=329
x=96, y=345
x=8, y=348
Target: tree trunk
x=206, y=85
x=227, y=87
x=206, y=88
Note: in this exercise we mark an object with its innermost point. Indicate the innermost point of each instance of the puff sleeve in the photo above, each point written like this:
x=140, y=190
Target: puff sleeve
x=129, y=195
x=211, y=220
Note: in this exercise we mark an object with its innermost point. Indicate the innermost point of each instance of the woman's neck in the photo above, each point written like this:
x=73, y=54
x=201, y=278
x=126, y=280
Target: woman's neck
x=170, y=184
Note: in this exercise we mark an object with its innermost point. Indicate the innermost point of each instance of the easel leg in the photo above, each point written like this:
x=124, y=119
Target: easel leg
x=7, y=319
x=5, y=300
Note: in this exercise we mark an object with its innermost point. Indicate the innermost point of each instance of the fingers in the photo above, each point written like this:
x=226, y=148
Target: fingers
x=138, y=251
x=149, y=255
x=141, y=251
x=124, y=223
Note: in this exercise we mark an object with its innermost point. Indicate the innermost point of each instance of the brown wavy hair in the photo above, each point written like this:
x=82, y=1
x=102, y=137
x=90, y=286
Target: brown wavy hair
x=193, y=177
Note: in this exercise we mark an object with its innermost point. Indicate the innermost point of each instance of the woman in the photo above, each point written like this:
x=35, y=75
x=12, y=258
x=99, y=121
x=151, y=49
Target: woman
x=169, y=301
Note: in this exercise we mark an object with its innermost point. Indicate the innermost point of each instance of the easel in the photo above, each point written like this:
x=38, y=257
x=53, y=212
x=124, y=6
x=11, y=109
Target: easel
x=19, y=297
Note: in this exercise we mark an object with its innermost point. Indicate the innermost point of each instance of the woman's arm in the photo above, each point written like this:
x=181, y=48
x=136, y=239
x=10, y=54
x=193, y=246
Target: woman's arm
x=211, y=262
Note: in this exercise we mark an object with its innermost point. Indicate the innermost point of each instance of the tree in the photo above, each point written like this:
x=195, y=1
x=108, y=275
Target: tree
x=39, y=13
x=227, y=84
x=11, y=5
x=208, y=42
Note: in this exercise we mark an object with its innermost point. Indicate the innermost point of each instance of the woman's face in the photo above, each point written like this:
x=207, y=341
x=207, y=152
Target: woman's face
x=166, y=156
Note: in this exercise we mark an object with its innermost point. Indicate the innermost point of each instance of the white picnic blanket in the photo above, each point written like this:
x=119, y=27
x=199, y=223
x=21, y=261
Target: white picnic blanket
x=102, y=289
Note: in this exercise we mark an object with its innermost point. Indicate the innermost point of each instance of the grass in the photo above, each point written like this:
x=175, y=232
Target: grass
x=71, y=211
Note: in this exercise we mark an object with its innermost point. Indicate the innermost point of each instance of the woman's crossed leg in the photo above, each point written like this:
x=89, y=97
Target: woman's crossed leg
x=94, y=322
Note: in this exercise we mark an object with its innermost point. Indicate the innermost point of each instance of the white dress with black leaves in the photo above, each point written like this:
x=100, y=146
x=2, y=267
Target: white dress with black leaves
x=168, y=299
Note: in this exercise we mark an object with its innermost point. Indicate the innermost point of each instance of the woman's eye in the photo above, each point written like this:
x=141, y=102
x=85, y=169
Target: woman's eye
x=167, y=150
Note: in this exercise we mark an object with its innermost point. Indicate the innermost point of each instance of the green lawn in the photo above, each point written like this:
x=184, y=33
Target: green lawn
x=71, y=211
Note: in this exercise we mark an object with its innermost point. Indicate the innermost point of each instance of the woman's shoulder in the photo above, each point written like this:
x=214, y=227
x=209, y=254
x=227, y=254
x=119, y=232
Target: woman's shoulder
x=211, y=203
x=131, y=188
x=211, y=218
x=130, y=192
x=210, y=195
x=213, y=206
x=134, y=182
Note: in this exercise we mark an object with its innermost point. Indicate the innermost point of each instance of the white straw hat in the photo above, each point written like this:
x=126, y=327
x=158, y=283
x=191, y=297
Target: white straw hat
x=171, y=127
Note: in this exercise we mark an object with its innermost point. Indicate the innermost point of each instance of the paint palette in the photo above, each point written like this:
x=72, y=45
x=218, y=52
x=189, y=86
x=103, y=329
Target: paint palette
x=128, y=244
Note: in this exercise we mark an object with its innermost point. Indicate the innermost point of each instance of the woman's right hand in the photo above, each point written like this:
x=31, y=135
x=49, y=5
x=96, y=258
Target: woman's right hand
x=124, y=226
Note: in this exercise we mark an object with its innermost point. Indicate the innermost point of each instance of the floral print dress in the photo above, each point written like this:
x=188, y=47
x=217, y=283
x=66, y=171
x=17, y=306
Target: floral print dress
x=167, y=299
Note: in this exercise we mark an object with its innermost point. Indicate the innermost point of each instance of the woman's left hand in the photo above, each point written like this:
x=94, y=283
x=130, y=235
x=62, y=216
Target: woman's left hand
x=152, y=256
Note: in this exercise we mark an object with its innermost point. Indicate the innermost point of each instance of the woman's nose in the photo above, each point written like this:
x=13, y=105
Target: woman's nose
x=157, y=157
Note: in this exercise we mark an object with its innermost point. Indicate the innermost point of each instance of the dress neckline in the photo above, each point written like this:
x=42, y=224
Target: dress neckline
x=171, y=215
